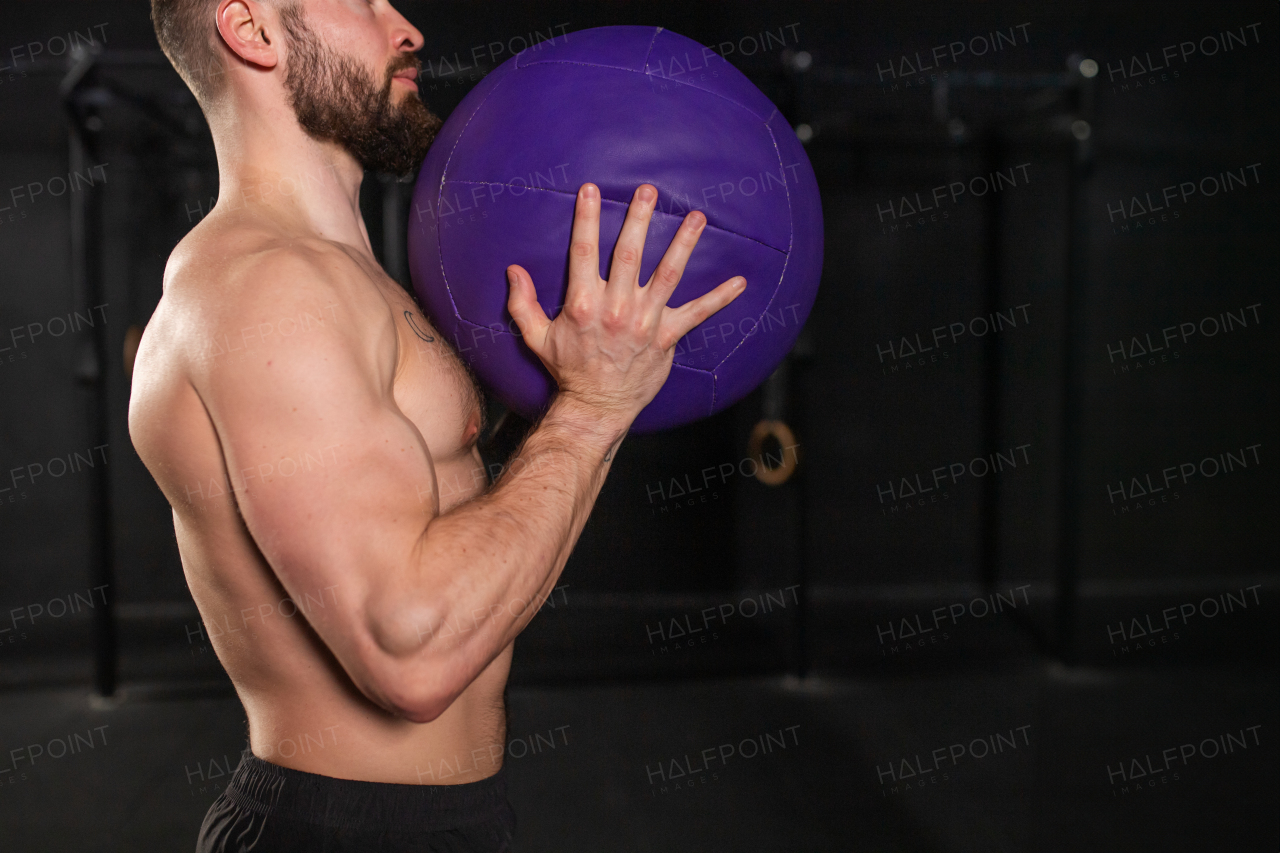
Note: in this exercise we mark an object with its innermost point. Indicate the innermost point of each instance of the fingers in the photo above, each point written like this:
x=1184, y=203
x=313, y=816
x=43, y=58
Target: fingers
x=522, y=302
x=624, y=272
x=667, y=275
x=678, y=322
x=584, y=246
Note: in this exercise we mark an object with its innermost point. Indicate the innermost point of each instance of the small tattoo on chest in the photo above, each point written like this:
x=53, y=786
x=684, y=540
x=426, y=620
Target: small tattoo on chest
x=421, y=333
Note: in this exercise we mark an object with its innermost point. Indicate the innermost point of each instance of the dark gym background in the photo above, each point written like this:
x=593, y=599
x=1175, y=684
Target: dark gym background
x=1055, y=576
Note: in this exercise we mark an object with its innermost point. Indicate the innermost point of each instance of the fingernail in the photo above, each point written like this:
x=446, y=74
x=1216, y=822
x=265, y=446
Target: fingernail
x=742, y=283
x=511, y=278
x=647, y=193
x=590, y=191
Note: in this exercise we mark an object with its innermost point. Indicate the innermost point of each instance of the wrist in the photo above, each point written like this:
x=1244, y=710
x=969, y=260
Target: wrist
x=585, y=421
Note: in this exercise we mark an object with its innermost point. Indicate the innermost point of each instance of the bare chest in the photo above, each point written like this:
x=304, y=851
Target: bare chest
x=433, y=387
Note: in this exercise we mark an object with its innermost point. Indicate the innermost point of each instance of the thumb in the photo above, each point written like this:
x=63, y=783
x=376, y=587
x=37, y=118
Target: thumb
x=522, y=302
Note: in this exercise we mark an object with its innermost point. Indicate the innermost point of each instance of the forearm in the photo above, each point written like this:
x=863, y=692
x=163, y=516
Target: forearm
x=483, y=568
x=577, y=437
x=528, y=523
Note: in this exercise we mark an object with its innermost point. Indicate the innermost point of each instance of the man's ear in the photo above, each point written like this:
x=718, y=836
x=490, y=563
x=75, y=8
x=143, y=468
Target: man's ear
x=245, y=29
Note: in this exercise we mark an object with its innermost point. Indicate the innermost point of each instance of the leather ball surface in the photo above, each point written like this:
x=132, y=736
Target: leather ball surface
x=618, y=106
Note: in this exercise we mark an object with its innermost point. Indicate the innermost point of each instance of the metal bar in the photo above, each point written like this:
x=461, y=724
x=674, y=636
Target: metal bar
x=1072, y=384
x=844, y=75
x=101, y=58
x=87, y=288
x=991, y=518
x=800, y=577
x=992, y=371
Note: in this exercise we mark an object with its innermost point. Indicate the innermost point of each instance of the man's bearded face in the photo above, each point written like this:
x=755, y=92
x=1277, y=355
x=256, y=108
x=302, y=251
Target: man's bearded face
x=335, y=100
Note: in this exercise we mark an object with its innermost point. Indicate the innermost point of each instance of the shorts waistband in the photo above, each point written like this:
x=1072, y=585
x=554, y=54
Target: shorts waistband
x=267, y=788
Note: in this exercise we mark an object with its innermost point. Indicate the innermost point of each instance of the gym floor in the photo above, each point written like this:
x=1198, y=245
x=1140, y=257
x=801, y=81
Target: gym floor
x=602, y=768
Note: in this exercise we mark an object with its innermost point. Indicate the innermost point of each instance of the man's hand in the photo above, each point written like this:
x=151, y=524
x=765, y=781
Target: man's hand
x=612, y=346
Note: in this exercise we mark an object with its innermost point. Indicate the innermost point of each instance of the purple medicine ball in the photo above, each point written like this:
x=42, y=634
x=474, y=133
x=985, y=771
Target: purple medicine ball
x=618, y=106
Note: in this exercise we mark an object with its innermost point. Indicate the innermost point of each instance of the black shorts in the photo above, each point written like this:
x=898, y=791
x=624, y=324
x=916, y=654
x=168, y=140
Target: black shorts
x=270, y=808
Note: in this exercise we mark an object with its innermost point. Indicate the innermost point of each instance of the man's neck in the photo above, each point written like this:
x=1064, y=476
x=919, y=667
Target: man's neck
x=272, y=167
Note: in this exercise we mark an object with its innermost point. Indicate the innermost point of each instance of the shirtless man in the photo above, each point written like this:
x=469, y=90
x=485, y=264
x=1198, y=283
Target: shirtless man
x=310, y=430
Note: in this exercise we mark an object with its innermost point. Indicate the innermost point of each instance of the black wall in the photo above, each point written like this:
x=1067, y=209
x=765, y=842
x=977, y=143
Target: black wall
x=1049, y=246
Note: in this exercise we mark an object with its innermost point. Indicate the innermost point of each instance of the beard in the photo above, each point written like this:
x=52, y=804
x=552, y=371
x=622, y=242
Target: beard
x=336, y=101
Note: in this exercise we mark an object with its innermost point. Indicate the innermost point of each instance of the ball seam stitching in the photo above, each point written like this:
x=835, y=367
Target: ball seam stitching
x=791, y=219
x=787, y=259
x=444, y=177
x=737, y=104
x=719, y=228
x=644, y=72
x=501, y=331
x=652, y=42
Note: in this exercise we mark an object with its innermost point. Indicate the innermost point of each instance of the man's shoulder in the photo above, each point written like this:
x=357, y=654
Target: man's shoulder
x=231, y=268
x=227, y=285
